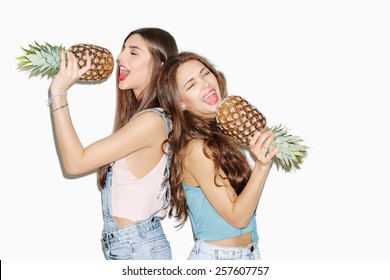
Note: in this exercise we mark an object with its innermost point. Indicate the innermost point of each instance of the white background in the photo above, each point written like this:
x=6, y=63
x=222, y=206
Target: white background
x=319, y=67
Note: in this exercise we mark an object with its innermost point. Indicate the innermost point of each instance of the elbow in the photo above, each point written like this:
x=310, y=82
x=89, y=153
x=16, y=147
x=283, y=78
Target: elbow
x=71, y=169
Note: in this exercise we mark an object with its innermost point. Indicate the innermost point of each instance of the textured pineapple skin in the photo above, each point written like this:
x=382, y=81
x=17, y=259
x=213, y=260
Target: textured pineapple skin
x=44, y=59
x=238, y=118
x=102, y=61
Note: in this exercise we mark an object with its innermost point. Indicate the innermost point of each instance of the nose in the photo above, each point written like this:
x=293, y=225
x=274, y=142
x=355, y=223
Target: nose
x=120, y=57
x=205, y=83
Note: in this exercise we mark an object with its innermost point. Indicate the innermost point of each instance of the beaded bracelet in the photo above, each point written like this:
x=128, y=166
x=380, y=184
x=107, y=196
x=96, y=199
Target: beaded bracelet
x=63, y=106
x=50, y=100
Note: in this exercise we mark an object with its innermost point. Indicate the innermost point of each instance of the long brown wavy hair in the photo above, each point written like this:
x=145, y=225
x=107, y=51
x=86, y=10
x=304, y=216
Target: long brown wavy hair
x=161, y=46
x=226, y=153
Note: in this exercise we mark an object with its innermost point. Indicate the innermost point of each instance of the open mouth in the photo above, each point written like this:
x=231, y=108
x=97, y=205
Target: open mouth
x=123, y=73
x=211, y=98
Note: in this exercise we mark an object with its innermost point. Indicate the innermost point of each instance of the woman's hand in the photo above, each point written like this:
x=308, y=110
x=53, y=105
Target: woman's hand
x=69, y=72
x=259, y=145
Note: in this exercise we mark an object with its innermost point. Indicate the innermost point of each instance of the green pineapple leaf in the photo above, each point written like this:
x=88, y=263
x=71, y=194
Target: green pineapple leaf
x=291, y=151
x=40, y=59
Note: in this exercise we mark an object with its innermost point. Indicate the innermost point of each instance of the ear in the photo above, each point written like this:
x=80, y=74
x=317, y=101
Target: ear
x=183, y=106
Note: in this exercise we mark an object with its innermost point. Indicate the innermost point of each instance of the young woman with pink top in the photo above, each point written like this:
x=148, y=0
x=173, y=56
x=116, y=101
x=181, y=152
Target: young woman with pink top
x=132, y=162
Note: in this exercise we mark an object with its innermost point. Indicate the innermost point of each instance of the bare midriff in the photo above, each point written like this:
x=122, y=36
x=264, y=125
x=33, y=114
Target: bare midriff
x=237, y=241
x=122, y=222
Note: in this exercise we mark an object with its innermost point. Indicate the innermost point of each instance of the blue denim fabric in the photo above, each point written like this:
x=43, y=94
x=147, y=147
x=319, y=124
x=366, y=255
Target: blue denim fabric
x=144, y=240
x=206, y=251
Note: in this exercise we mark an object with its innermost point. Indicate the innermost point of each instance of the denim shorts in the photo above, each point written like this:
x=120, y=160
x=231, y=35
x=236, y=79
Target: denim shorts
x=206, y=251
x=144, y=240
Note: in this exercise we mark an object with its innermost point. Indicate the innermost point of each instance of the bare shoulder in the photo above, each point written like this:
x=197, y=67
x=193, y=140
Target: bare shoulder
x=194, y=150
x=149, y=116
x=149, y=120
x=195, y=157
x=144, y=130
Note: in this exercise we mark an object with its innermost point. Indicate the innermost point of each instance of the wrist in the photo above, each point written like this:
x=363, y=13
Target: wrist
x=265, y=167
x=56, y=97
x=60, y=107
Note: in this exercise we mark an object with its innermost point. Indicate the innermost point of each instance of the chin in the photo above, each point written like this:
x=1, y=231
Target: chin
x=121, y=86
x=124, y=86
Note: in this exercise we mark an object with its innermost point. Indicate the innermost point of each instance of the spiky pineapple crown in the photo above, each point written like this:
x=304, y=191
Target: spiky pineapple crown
x=41, y=59
x=291, y=152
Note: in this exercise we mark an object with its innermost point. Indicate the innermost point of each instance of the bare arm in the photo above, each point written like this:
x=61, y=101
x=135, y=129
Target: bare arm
x=141, y=132
x=237, y=211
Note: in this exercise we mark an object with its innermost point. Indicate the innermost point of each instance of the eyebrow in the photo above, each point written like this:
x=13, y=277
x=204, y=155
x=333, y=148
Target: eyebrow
x=132, y=47
x=190, y=80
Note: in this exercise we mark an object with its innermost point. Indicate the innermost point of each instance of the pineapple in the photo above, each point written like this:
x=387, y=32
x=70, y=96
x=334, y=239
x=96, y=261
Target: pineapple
x=239, y=119
x=45, y=59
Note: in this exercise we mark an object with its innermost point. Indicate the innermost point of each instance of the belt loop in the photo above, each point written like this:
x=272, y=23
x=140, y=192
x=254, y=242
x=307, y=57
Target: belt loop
x=141, y=231
x=197, y=246
x=216, y=254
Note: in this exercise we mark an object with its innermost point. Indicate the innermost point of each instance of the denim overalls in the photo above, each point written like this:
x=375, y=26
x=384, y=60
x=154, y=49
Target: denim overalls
x=144, y=240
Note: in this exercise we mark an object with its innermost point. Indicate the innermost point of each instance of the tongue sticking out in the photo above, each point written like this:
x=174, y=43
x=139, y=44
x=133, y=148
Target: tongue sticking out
x=123, y=74
x=211, y=99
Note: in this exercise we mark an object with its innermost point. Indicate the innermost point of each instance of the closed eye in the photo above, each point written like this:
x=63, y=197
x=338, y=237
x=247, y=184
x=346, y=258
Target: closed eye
x=134, y=50
x=205, y=71
x=190, y=86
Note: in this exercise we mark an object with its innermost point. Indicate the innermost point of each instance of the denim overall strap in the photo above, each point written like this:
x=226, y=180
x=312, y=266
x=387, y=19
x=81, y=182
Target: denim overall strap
x=109, y=222
x=165, y=190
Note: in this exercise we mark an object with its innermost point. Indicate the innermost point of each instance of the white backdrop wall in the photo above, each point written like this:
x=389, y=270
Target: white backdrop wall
x=320, y=67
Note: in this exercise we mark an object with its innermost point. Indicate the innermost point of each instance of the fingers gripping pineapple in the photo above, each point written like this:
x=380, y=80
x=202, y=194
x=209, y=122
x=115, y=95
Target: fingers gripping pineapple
x=241, y=120
x=45, y=60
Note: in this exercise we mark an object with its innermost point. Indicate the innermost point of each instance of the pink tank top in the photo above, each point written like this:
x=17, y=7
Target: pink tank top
x=136, y=199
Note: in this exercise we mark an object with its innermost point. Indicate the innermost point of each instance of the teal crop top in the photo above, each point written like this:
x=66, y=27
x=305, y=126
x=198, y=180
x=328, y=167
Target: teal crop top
x=207, y=224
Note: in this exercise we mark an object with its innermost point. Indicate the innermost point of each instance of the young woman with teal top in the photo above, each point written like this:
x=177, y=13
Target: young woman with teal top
x=211, y=179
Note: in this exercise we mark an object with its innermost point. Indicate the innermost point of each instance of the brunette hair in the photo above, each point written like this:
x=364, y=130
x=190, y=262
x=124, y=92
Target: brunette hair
x=226, y=153
x=161, y=46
